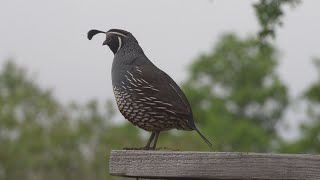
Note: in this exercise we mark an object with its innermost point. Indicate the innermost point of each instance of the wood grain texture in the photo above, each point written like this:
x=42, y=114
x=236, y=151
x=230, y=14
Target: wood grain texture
x=213, y=165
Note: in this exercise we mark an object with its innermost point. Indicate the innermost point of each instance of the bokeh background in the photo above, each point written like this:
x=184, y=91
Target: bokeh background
x=250, y=70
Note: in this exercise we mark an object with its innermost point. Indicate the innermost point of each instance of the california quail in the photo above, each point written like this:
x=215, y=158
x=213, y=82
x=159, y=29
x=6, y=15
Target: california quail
x=145, y=95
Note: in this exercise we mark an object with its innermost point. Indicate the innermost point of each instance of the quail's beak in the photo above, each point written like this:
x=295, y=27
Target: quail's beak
x=104, y=42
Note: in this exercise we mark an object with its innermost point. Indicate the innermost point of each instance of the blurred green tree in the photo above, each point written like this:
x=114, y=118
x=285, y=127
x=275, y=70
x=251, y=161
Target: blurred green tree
x=236, y=94
x=22, y=105
x=236, y=84
x=42, y=139
x=309, y=140
x=234, y=90
x=269, y=14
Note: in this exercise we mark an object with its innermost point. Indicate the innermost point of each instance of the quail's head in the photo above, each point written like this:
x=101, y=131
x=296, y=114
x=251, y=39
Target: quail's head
x=115, y=38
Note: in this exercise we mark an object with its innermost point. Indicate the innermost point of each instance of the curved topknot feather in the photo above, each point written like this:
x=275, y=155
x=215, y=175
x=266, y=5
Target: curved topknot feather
x=93, y=32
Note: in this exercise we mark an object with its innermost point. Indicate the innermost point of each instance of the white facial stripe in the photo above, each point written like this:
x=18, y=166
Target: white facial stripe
x=120, y=43
x=120, y=34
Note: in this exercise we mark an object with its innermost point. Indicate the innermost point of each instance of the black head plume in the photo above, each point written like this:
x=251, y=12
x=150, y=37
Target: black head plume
x=116, y=39
x=93, y=32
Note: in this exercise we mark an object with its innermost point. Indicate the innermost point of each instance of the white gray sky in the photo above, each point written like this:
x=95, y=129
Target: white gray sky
x=49, y=38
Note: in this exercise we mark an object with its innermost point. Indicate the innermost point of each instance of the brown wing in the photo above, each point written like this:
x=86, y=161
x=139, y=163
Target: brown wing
x=155, y=83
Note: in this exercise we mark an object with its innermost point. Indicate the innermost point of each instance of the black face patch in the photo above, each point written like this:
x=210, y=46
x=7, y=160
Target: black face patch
x=115, y=39
x=112, y=41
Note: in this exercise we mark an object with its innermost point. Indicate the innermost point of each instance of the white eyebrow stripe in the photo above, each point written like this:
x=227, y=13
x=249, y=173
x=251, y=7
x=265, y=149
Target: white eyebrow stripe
x=120, y=43
x=117, y=33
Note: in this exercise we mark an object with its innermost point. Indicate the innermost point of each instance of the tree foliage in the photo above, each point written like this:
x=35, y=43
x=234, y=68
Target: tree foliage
x=236, y=92
x=42, y=139
x=269, y=14
x=309, y=140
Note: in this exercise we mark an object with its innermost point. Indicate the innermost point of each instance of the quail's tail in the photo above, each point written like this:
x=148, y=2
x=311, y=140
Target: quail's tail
x=204, y=138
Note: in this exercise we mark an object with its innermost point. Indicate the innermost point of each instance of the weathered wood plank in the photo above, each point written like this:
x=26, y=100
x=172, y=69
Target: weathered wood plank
x=213, y=165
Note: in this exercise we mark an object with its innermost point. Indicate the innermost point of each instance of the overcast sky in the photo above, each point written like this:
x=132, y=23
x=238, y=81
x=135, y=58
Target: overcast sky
x=49, y=38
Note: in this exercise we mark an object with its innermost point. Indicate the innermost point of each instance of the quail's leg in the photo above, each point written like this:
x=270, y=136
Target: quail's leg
x=153, y=146
x=147, y=147
x=150, y=140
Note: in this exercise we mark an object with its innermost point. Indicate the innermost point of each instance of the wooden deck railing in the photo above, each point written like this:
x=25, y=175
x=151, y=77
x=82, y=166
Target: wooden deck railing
x=213, y=165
